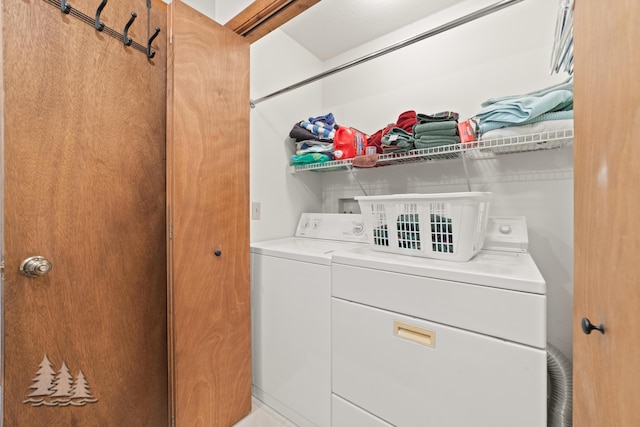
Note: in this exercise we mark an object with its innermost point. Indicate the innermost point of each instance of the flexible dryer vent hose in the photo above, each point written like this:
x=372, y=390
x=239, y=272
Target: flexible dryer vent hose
x=559, y=403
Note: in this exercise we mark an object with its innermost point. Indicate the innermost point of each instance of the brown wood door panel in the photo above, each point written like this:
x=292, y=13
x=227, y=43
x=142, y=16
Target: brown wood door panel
x=607, y=238
x=209, y=211
x=84, y=180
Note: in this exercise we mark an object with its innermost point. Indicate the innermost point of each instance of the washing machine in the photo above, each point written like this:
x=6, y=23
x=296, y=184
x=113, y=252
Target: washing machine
x=291, y=315
x=427, y=342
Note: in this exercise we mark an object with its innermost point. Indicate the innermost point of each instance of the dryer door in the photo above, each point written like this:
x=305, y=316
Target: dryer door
x=425, y=373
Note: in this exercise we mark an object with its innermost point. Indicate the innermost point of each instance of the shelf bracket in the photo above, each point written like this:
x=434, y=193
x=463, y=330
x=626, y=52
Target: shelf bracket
x=466, y=171
x=350, y=168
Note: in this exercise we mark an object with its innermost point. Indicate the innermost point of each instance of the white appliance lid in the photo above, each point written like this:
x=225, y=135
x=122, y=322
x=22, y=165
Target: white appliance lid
x=317, y=236
x=315, y=251
x=514, y=271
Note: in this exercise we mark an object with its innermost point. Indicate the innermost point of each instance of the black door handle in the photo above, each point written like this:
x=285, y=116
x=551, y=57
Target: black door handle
x=587, y=326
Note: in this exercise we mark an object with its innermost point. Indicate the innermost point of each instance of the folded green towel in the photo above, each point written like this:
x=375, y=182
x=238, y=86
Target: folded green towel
x=442, y=132
x=386, y=149
x=442, y=116
x=420, y=143
x=449, y=139
x=398, y=137
x=424, y=127
x=307, y=159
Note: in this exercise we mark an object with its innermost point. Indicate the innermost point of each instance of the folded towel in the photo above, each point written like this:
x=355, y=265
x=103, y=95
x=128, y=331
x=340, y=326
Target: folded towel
x=420, y=143
x=326, y=119
x=442, y=116
x=310, y=158
x=527, y=107
x=406, y=120
x=397, y=140
x=319, y=131
x=558, y=115
x=395, y=149
x=310, y=142
x=304, y=148
x=565, y=85
x=429, y=138
x=407, y=115
x=398, y=137
x=435, y=126
x=301, y=134
x=376, y=138
x=443, y=132
x=533, y=128
x=366, y=161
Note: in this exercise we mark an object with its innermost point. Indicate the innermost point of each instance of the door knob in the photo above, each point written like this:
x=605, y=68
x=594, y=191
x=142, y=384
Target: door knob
x=35, y=266
x=587, y=326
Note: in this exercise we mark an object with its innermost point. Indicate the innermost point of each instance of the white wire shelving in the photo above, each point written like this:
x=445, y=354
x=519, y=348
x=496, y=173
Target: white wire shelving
x=506, y=145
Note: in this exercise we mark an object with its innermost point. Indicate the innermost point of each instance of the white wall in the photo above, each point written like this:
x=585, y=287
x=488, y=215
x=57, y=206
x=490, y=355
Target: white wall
x=220, y=11
x=276, y=62
x=227, y=9
x=206, y=7
x=502, y=54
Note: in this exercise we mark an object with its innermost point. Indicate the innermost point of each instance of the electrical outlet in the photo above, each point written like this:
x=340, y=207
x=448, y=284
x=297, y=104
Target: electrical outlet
x=350, y=206
x=255, y=210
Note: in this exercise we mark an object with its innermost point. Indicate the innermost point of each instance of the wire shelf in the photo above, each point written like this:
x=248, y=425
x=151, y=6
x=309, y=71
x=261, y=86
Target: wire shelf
x=506, y=145
x=531, y=142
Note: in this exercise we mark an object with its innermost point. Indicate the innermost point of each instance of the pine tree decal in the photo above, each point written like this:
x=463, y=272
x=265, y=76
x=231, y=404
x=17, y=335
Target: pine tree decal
x=80, y=388
x=43, y=379
x=62, y=384
x=47, y=386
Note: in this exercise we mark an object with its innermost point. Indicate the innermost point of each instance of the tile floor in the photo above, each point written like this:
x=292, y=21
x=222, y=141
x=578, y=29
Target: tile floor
x=263, y=416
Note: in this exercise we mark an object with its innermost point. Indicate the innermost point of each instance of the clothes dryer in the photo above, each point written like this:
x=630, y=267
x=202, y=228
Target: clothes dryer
x=418, y=341
x=291, y=315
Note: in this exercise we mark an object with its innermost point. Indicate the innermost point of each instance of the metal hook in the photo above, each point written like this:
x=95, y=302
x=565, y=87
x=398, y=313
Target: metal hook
x=152, y=53
x=65, y=7
x=126, y=39
x=100, y=25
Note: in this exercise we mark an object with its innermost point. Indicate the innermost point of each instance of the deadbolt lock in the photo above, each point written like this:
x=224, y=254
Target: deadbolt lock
x=35, y=266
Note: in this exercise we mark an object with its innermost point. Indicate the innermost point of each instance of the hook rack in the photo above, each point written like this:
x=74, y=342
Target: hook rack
x=66, y=8
x=100, y=25
x=126, y=39
x=152, y=53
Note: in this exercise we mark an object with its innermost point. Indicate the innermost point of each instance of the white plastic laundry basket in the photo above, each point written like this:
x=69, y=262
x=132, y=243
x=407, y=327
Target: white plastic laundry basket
x=447, y=226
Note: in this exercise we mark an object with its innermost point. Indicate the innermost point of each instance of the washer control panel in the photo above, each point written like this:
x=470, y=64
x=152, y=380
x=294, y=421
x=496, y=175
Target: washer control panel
x=342, y=227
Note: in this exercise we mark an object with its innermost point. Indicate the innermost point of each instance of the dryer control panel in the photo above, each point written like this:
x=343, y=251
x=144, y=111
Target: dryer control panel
x=506, y=233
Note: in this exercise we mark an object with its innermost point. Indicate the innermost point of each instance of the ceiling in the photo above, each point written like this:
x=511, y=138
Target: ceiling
x=332, y=27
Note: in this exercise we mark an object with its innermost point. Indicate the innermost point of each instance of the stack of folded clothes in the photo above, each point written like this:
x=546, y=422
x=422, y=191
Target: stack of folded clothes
x=397, y=140
x=548, y=104
x=400, y=140
x=314, y=140
x=436, y=130
x=416, y=130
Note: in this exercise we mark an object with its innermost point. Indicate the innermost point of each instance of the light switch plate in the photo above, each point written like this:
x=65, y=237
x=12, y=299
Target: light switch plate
x=255, y=210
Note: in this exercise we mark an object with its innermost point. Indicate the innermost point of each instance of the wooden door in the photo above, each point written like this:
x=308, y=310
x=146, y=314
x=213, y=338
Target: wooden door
x=209, y=214
x=607, y=208
x=84, y=186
